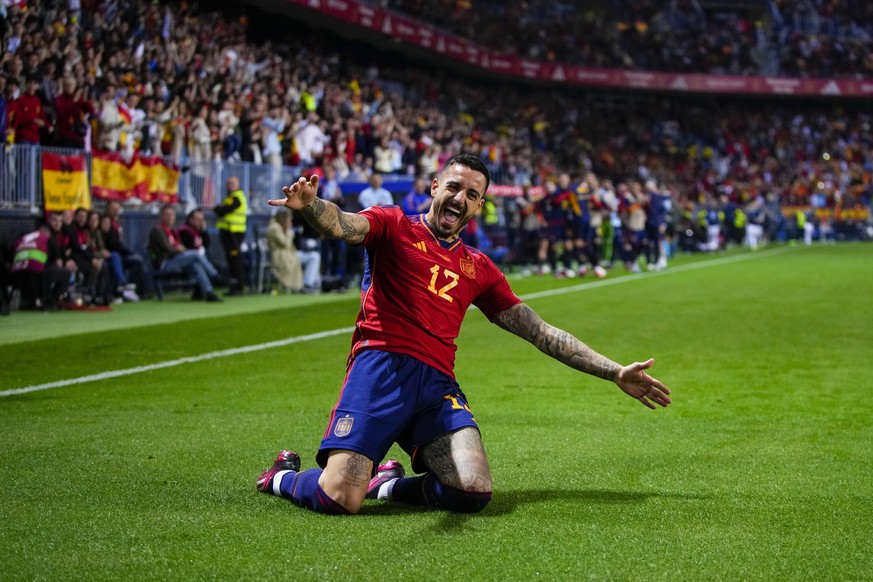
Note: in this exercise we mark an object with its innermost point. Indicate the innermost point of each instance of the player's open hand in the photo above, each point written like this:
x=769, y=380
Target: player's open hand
x=299, y=194
x=637, y=384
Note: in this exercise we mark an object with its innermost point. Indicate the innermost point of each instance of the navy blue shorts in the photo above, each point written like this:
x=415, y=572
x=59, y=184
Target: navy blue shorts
x=389, y=397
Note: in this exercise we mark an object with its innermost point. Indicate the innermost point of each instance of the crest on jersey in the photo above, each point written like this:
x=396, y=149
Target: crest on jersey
x=468, y=268
x=343, y=426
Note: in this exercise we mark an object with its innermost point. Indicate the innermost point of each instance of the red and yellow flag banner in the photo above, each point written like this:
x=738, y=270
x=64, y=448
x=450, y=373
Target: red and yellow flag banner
x=65, y=182
x=149, y=178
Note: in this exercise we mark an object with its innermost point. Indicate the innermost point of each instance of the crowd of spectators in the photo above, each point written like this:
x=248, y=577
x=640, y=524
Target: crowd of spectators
x=132, y=75
x=808, y=38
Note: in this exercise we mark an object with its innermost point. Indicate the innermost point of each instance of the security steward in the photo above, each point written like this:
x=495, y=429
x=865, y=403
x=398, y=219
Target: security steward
x=231, y=225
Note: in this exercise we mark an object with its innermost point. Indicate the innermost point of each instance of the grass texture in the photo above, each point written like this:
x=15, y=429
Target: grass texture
x=760, y=470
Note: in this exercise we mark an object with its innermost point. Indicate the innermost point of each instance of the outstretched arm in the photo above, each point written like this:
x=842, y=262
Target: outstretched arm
x=326, y=217
x=564, y=347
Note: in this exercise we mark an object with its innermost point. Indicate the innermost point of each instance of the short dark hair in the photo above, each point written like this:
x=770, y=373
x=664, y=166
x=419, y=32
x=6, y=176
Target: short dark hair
x=192, y=213
x=472, y=162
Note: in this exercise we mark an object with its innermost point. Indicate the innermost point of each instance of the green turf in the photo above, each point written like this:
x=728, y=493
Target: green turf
x=760, y=470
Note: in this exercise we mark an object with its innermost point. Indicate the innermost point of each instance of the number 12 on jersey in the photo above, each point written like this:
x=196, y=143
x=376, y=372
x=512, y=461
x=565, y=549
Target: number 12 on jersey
x=452, y=279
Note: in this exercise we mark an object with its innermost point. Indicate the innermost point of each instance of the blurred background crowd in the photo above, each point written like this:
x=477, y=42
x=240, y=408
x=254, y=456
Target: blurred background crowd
x=216, y=82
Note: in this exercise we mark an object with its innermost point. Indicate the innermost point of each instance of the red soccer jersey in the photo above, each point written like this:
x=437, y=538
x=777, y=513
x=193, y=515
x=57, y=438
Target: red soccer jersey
x=416, y=289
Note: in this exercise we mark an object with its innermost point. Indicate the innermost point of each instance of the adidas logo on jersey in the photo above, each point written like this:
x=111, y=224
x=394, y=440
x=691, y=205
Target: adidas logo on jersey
x=420, y=246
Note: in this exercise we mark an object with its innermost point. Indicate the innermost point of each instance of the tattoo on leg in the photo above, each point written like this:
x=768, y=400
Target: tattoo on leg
x=355, y=472
x=458, y=460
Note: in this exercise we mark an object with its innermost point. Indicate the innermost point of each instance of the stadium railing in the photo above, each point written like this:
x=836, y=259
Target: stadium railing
x=200, y=183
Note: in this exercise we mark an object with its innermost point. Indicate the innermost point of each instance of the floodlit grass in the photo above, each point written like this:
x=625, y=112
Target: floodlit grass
x=761, y=469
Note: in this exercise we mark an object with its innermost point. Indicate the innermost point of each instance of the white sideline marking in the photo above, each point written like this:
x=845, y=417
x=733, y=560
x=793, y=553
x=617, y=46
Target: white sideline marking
x=178, y=362
x=649, y=274
x=347, y=330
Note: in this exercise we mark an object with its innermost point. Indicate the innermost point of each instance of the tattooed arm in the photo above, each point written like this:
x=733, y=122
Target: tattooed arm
x=526, y=324
x=326, y=217
x=564, y=347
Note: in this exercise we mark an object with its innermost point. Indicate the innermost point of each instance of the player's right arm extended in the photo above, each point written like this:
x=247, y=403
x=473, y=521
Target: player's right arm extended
x=326, y=217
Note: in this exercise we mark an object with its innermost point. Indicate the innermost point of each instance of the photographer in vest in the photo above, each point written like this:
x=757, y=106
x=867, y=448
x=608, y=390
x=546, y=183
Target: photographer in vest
x=231, y=225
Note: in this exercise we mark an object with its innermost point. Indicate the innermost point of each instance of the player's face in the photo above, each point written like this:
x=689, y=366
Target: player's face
x=458, y=194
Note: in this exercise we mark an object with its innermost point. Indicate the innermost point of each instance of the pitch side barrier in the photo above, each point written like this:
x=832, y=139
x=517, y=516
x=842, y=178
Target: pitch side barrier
x=133, y=180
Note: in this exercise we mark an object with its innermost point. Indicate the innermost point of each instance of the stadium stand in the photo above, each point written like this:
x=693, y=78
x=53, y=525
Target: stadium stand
x=200, y=88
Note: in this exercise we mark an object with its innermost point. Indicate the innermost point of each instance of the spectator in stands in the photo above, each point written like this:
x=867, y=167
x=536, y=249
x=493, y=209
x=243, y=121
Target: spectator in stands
x=104, y=288
x=284, y=261
x=132, y=275
x=4, y=108
x=375, y=194
x=73, y=113
x=228, y=131
x=333, y=251
x=109, y=121
x=418, y=199
x=201, y=138
x=92, y=269
x=130, y=137
x=309, y=252
x=272, y=127
x=194, y=235
x=169, y=256
x=383, y=157
x=27, y=115
x=178, y=129
x=122, y=288
x=310, y=137
x=155, y=124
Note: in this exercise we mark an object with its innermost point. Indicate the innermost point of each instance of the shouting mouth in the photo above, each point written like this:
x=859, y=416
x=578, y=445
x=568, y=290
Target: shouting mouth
x=452, y=214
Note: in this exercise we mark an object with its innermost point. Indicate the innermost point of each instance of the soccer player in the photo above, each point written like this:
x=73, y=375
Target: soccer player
x=400, y=387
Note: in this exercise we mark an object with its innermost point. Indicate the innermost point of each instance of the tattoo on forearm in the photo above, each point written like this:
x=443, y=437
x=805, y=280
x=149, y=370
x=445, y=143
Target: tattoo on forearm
x=355, y=472
x=557, y=343
x=346, y=227
x=315, y=211
x=330, y=221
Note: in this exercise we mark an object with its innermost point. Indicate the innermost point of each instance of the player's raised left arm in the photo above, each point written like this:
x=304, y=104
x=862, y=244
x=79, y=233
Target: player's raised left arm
x=565, y=347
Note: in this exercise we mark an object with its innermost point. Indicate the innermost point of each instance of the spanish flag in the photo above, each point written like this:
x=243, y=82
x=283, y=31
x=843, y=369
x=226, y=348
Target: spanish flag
x=65, y=182
x=162, y=180
x=124, y=112
x=148, y=178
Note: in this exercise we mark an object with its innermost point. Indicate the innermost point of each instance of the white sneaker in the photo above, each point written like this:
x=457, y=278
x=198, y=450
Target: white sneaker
x=599, y=272
x=129, y=295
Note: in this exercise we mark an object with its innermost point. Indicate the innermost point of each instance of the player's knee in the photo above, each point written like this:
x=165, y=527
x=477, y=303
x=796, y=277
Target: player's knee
x=463, y=501
x=340, y=491
x=480, y=480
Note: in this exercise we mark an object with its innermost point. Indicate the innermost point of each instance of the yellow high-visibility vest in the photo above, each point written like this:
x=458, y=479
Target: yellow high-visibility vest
x=234, y=221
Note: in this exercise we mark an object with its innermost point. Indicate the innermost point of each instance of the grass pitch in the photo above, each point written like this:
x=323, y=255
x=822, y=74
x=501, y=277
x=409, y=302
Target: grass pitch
x=761, y=469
